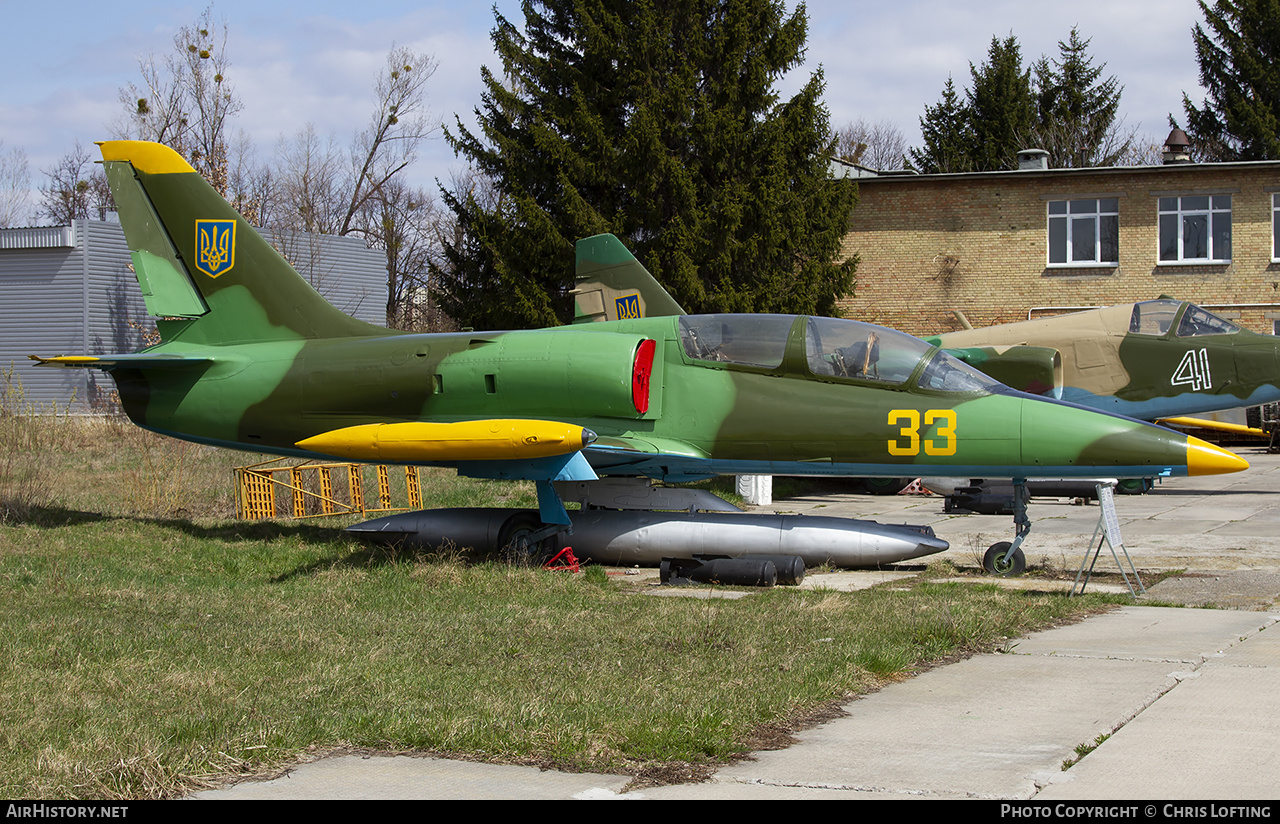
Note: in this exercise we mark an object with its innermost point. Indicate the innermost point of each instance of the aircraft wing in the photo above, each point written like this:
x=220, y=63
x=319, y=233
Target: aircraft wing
x=516, y=449
x=665, y=458
x=499, y=448
x=648, y=446
x=441, y=442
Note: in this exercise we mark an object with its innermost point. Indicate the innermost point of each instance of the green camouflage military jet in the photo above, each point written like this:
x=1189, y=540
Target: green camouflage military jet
x=1150, y=360
x=253, y=358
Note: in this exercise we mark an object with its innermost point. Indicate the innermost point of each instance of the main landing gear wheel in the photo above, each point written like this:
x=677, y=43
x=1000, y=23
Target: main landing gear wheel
x=886, y=486
x=1000, y=561
x=1133, y=486
x=515, y=539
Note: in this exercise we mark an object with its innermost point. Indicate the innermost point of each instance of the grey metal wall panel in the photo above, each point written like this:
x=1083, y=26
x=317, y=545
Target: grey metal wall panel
x=56, y=300
x=344, y=270
x=116, y=316
x=42, y=312
x=37, y=237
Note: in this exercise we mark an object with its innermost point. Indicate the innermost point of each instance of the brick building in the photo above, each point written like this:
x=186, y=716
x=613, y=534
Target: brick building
x=998, y=247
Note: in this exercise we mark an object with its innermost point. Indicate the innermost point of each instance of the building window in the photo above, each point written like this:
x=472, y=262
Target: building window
x=1195, y=228
x=1084, y=232
x=1275, y=227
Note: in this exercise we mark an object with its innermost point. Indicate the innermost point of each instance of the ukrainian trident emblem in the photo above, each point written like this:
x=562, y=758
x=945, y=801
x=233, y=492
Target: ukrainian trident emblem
x=215, y=246
x=628, y=306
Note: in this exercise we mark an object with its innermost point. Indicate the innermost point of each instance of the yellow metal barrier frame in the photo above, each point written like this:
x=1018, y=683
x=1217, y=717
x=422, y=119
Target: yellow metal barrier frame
x=256, y=486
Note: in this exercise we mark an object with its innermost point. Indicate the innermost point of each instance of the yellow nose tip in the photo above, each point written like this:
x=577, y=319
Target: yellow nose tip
x=1203, y=458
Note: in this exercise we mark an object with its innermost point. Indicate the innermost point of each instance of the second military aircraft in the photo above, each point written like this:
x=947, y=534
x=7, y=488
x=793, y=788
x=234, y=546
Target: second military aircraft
x=1148, y=360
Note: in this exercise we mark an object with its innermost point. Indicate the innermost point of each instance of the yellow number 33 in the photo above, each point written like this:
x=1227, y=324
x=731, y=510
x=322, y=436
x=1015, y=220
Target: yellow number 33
x=908, y=442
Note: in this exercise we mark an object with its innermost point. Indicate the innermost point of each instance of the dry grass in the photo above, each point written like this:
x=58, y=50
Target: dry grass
x=154, y=645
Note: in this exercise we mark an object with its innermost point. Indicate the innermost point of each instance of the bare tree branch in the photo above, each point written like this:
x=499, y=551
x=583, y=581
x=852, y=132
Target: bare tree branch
x=310, y=193
x=398, y=126
x=76, y=190
x=880, y=145
x=15, y=188
x=186, y=99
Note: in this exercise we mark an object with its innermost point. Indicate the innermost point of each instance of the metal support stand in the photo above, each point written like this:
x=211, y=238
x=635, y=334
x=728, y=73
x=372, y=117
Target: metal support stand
x=1109, y=528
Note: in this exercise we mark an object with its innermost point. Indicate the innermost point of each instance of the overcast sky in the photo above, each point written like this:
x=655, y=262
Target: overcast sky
x=296, y=62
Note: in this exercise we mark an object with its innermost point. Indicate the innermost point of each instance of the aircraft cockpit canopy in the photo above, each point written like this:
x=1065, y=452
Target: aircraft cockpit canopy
x=746, y=340
x=1197, y=321
x=849, y=349
x=947, y=373
x=1153, y=317
x=833, y=348
x=1156, y=317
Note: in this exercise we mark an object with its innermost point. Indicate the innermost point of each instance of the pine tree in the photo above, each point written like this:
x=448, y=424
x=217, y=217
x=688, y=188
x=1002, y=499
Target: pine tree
x=1239, y=59
x=1001, y=109
x=985, y=131
x=947, y=143
x=1060, y=106
x=656, y=121
x=1076, y=114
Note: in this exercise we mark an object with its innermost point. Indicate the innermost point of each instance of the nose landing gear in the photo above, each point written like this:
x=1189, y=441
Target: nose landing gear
x=1004, y=558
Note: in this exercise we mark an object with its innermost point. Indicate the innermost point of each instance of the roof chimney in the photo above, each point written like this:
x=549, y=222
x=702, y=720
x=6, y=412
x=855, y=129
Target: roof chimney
x=1033, y=160
x=1176, y=148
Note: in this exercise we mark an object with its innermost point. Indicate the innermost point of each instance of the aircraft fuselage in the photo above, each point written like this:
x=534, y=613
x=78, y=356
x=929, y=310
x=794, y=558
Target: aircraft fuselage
x=774, y=394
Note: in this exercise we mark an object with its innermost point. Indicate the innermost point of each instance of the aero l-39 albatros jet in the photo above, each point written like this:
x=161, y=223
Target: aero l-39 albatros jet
x=253, y=358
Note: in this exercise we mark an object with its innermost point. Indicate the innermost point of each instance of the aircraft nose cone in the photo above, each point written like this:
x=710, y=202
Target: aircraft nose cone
x=1203, y=458
x=1055, y=433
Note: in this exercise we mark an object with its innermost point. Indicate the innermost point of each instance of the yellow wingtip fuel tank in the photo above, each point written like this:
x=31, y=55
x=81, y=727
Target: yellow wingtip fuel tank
x=484, y=440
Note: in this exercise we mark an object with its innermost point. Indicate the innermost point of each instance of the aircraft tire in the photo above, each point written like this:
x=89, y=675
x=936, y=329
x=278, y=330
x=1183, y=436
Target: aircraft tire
x=1133, y=486
x=886, y=486
x=513, y=540
x=998, y=560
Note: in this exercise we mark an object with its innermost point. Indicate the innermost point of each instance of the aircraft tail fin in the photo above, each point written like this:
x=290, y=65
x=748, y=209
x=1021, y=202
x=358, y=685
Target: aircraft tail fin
x=612, y=285
x=204, y=271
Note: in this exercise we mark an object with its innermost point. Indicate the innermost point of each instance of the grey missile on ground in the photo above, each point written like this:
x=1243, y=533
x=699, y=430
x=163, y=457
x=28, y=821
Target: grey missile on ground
x=627, y=537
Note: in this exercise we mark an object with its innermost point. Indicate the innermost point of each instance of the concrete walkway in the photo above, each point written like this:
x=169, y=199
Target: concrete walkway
x=1184, y=695
x=1182, y=701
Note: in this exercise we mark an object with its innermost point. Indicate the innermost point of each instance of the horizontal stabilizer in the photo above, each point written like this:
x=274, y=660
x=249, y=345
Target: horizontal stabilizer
x=485, y=440
x=140, y=360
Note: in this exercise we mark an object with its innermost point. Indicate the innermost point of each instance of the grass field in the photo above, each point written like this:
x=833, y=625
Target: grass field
x=153, y=644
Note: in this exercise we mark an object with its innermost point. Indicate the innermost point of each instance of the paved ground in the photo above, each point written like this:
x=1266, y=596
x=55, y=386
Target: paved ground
x=1182, y=701
x=1215, y=524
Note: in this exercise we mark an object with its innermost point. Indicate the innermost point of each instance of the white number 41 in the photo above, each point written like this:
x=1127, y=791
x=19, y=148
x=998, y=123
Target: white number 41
x=1193, y=371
